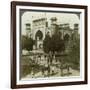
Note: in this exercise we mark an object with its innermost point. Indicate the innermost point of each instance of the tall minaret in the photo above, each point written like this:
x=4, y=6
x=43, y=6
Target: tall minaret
x=76, y=28
x=28, y=29
x=53, y=24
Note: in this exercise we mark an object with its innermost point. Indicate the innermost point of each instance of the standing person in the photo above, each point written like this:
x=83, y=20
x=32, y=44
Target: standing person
x=42, y=71
x=48, y=70
x=50, y=57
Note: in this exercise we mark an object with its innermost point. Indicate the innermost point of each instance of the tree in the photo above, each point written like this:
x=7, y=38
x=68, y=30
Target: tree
x=47, y=43
x=23, y=39
x=57, y=44
x=54, y=43
x=27, y=43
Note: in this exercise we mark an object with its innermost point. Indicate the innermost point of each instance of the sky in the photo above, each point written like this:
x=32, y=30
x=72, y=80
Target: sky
x=62, y=18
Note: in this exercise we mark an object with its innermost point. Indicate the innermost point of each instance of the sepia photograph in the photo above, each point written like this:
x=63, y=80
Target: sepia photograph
x=49, y=44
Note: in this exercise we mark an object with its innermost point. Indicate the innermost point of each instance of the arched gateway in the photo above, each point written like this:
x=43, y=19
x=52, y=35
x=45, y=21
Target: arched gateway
x=39, y=35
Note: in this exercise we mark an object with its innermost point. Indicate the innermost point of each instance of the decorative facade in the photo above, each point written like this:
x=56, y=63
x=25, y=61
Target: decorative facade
x=40, y=28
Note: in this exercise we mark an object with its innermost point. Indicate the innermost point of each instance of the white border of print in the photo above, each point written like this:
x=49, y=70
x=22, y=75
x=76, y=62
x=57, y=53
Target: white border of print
x=51, y=80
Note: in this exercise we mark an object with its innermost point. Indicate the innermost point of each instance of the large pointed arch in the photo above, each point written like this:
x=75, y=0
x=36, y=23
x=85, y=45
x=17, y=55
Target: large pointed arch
x=66, y=37
x=39, y=34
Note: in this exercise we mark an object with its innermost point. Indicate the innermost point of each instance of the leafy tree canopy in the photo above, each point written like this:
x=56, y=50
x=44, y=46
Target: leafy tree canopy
x=27, y=43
